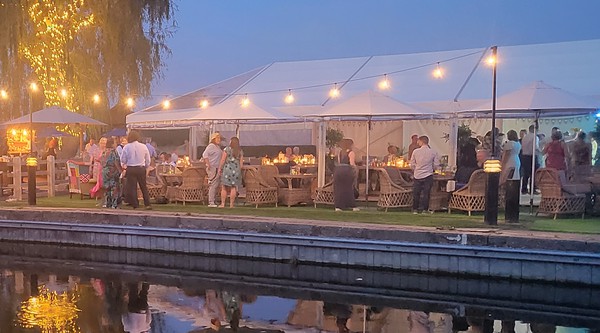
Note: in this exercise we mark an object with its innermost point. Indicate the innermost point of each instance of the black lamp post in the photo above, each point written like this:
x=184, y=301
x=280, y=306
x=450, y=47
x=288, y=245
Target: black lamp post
x=492, y=167
x=31, y=160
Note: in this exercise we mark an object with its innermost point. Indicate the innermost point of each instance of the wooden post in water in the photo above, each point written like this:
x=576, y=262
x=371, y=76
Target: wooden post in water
x=51, y=168
x=17, y=179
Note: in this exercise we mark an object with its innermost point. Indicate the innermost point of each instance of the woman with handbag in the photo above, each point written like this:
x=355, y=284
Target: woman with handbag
x=344, y=178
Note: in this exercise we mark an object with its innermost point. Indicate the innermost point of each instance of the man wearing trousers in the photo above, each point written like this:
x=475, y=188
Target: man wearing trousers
x=528, y=153
x=135, y=159
x=212, y=158
x=423, y=161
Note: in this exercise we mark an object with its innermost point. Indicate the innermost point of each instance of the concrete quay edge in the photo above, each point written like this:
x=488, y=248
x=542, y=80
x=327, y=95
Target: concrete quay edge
x=492, y=237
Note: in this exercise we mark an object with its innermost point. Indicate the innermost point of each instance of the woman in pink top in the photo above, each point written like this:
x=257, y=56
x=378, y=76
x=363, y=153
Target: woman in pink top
x=556, y=152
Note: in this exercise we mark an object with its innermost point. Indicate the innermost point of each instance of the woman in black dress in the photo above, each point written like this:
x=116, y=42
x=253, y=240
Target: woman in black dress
x=344, y=177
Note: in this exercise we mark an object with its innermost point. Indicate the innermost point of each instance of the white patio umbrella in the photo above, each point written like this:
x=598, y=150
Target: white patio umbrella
x=55, y=115
x=371, y=105
x=536, y=100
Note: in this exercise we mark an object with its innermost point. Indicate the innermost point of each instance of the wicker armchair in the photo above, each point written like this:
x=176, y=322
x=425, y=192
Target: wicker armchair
x=156, y=188
x=324, y=195
x=193, y=187
x=400, y=177
x=269, y=173
x=258, y=190
x=470, y=198
x=558, y=198
x=392, y=195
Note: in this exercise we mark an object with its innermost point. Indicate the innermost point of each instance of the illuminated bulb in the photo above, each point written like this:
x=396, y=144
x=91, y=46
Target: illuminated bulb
x=3, y=94
x=438, y=73
x=384, y=84
x=204, y=103
x=490, y=61
x=24, y=132
x=166, y=104
x=63, y=93
x=245, y=101
x=96, y=98
x=33, y=86
x=289, y=98
x=129, y=102
x=14, y=132
x=334, y=92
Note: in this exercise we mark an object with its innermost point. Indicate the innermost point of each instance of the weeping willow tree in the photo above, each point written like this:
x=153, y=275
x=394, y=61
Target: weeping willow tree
x=77, y=49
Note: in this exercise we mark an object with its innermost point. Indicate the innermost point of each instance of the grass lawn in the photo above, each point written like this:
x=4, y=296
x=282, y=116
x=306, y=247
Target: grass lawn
x=369, y=214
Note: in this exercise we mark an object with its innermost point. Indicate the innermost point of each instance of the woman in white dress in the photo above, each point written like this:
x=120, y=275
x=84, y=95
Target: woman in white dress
x=510, y=157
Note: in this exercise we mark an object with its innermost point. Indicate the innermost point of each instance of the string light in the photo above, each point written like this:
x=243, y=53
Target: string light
x=129, y=102
x=3, y=94
x=334, y=92
x=289, y=98
x=491, y=60
x=96, y=98
x=33, y=86
x=204, y=104
x=245, y=101
x=438, y=72
x=63, y=93
x=166, y=104
x=384, y=84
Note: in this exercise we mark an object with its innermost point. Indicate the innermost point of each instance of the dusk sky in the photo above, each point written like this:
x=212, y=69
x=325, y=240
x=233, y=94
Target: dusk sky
x=217, y=39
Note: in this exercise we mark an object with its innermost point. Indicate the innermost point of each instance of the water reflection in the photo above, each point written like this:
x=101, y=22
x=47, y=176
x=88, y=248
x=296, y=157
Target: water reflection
x=119, y=303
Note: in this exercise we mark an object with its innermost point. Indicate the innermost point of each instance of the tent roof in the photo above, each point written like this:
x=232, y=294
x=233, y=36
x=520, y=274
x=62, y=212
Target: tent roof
x=374, y=104
x=55, y=115
x=232, y=109
x=568, y=65
x=540, y=98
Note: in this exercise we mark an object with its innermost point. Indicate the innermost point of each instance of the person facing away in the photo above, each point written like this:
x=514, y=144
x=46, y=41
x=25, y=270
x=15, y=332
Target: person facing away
x=212, y=158
x=510, y=158
x=556, y=155
x=230, y=170
x=413, y=145
x=344, y=177
x=135, y=159
x=423, y=162
x=528, y=152
x=581, y=158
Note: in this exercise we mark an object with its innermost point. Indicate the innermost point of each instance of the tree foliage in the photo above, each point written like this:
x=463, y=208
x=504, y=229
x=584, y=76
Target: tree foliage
x=112, y=48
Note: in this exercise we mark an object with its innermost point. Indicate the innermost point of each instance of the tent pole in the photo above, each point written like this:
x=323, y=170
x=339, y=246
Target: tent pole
x=237, y=129
x=453, y=138
x=322, y=132
x=367, y=162
x=533, y=156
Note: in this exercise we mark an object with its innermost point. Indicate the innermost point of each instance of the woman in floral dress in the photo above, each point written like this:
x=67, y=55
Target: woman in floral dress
x=111, y=173
x=230, y=170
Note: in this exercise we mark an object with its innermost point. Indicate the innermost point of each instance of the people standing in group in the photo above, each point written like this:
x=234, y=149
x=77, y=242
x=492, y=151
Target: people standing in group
x=212, y=157
x=529, y=149
x=111, y=176
x=581, y=158
x=556, y=155
x=135, y=159
x=423, y=163
x=345, y=177
x=510, y=158
x=230, y=170
x=413, y=145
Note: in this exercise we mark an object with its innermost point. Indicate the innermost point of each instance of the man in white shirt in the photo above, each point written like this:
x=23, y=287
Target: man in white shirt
x=212, y=158
x=135, y=159
x=138, y=318
x=527, y=154
x=423, y=162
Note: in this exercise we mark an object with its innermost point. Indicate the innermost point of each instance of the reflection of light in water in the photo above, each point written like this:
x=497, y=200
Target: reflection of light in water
x=50, y=311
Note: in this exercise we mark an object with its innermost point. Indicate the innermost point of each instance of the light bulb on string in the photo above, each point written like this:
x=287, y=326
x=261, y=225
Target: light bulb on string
x=33, y=86
x=166, y=104
x=245, y=101
x=129, y=102
x=96, y=98
x=334, y=92
x=204, y=104
x=384, y=84
x=491, y=61
x=438, y=72
x=289, y=98
x=64, y=93
x=3, y=94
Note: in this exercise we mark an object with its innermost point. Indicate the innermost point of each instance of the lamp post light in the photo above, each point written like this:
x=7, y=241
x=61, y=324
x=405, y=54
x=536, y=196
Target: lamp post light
x=31, y=160
x=493, y=169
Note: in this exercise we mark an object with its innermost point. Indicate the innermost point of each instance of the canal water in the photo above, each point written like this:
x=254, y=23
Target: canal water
x=49, y=289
